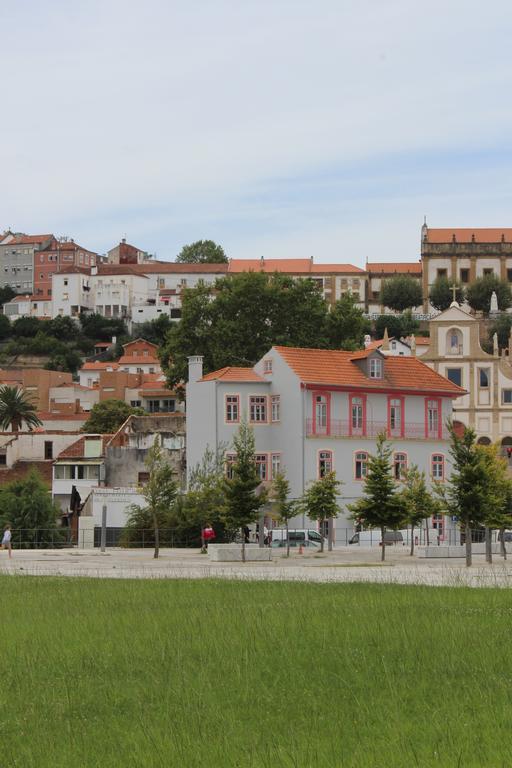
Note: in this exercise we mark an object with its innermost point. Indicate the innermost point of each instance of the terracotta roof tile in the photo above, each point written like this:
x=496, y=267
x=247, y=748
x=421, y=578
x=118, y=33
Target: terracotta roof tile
x=317, y=366
x=465, y=235
x=29, y=239
x=394, y=267
x=138, y=360
x=289, y=266
x=98, y=365
x=231, y=373
x=171, y=267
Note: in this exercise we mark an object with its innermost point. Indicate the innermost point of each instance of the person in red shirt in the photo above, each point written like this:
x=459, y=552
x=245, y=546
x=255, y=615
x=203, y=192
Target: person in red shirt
x=208, y=535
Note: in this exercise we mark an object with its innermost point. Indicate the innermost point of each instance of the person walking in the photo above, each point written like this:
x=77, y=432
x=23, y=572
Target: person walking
x=208, y=534
x=6, y=540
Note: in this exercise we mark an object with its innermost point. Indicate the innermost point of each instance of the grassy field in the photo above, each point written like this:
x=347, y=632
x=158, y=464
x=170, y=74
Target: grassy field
x=175, y=673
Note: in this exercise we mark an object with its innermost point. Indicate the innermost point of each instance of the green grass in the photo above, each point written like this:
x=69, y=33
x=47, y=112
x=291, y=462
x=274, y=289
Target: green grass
x=218, y=673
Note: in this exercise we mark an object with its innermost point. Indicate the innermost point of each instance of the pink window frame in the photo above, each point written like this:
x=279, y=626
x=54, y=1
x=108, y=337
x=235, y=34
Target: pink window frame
x=398, y=453
x=266, y=410
x=350, y=403
x=439, y=417
x=402, y=415
x=229, y=459
x=331, y=459
x=262, y=463
x=443, y=465
x=270, y=467
x=363, y=477
x=231, y=421
x=327, y=396
x=278, y=399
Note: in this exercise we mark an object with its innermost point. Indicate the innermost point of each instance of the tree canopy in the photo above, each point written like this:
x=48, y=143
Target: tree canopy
x=236, y=321
x=401, y=292
x=441, y=294
x=478, y=294
x=319, y=500
x=202, y=252
x=106, y=417
x=17, y=408
x=26, y=504
x=397, y=325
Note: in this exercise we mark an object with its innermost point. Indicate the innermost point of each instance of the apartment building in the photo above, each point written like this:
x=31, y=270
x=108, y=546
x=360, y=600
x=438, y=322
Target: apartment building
x=314, y=411
x=378, y=272
x=18, y=254
x=60, y=254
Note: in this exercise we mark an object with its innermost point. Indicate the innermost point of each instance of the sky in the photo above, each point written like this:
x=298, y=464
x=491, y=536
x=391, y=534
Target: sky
x=277, y=128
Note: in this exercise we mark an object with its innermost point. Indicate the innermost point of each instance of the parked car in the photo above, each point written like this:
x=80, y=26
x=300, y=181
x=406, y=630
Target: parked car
x=374, y=538
x=308, y=537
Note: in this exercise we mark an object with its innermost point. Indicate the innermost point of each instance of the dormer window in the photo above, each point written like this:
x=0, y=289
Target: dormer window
x=267, y=366
x=375, y=368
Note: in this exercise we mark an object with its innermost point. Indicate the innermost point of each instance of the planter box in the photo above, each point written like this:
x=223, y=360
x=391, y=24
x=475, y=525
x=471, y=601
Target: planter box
x=228, y=553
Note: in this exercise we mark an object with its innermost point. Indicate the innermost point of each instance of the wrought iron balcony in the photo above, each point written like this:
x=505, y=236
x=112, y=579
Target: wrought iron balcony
x=341, y=428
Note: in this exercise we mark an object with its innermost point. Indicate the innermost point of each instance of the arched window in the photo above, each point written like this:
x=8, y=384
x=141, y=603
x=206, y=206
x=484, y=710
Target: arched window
x=454, y=342
x=324, y=463
x=361, y=465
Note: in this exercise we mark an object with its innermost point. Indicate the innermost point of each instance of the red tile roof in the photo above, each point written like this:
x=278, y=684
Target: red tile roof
x=98, y=365
x=74, y=270
x=29, y=239
x=171, y=267
x=394, y=267
x=119, y=269
x=138, y=360
x=318, y=366
x=77, y=450
x=48, y=416
x=289, y=266
x=230, y=373
x=466, y=234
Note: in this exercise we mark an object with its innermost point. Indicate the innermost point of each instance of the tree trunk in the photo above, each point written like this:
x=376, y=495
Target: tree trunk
x=330, y=533
x=488, y=544
x=428, y=538
x=157, y=537
x=287, y=539
x=502, y=543
x=243, y=546
x=382, y=543
x=321, y=535
x=412, y=540
x=468, y=544
x=203, y=544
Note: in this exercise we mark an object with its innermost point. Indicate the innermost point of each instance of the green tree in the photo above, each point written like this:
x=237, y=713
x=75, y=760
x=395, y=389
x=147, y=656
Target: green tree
x=467, y=494
x=501, y=326
x=478, y=294
x=106, y=417
x=381, y=505
x=401, y=292
x=347, y=325
x=17, y=408
x=241, y=500
x=418, y=503
x=283, y=507
x=319, y=501
x=398, y=325
x=27, y=507
x=27, y=326
x=441, y=294
x=205, y=495
x=202, y=252
x=238, y=320
x=155, y=331
x=5, y=327
x=99, y=328
x=63, y=328
x=499, y=513
x=6, y=294
x=67, y=360
x=159, y=494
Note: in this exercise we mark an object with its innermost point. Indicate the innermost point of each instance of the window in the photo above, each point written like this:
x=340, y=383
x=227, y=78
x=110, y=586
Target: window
x=154, y=406
x=484, y=377
x=230, y=461
x=320, y=414
x=232, y=408
x=88, y=472
x=506, y=396
x=324, y=463
x=442, y=273
x=361, y=465
x=488, y=271
x=267, y=366
x=257, y=409
x=142, y=478
x=3, y=459
x=261, y=465
x=454, y=375
x=395, y=416
x=432, y=418
x=168, y=406
x=399, y=465
x=134, y=403
x=64, y=472
x=375, y=368
x=276, y=407
x=66, y=282
x=438, y=524
x=454, y=342
x=276, y=464
x=464, y=275
x=509, y=275
x=48, y=449
x=357, y=415
x=437, y=467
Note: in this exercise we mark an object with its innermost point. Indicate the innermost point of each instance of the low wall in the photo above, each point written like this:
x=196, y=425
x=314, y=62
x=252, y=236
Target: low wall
x=228, y=553
x=456, y=551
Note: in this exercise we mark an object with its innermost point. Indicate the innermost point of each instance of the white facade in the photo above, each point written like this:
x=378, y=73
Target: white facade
x=27, y=306
x=71, y=294
x=306, y=430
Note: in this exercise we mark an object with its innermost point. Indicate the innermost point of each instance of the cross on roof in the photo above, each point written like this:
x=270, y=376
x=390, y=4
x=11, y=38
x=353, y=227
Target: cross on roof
x=454, y=290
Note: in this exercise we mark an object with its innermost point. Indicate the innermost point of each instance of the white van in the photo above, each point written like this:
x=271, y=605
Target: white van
x=307, y=537
x=373, y=538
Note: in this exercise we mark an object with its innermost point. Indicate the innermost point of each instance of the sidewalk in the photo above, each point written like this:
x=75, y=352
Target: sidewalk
x=343, y=565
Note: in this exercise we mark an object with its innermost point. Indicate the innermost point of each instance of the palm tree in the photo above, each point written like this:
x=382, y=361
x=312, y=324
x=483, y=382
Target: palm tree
x=17, y=407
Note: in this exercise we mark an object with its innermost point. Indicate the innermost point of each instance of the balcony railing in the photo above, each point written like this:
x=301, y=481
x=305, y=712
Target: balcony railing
x=340, y=428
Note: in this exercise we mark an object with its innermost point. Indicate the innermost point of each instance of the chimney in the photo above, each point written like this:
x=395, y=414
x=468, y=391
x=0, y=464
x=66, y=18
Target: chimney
x=195, y=368
x=77, y=405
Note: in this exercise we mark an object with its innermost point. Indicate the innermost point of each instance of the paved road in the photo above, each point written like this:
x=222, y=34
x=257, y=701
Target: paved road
x=344, y=564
